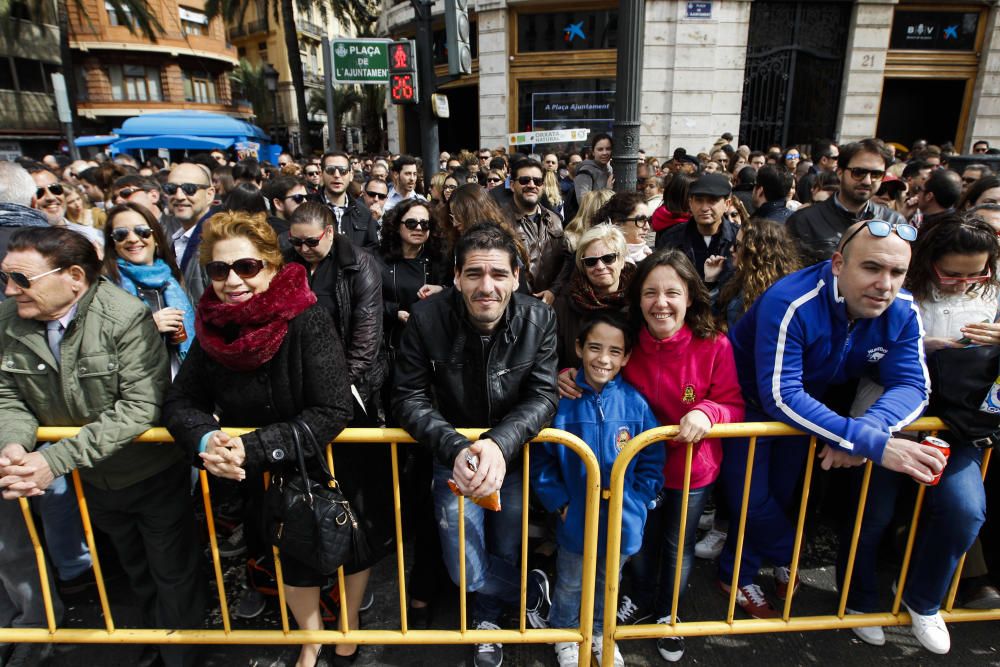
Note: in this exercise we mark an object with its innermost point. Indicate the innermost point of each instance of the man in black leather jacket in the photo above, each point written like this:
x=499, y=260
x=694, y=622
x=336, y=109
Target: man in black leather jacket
x=479, y=355
x=818, y=228
x=353, y=218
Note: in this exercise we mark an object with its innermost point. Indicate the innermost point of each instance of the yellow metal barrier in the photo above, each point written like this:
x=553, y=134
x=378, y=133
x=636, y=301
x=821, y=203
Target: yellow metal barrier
x=346, y=635
x=786, y=623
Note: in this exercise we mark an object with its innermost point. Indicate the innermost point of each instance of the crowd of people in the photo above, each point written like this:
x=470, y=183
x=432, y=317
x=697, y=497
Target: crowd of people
x=838, y=289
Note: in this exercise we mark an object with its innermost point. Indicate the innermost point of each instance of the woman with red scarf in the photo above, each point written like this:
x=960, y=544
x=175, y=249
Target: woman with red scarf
x=264, y=353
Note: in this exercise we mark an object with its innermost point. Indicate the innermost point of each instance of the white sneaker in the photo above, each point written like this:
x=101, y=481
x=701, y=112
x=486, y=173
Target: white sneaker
x=930, y=631
x=568, y=654
x=710, y=546
x=597, y=649
x=707, y=519
x=873, y=635
x=671, y=649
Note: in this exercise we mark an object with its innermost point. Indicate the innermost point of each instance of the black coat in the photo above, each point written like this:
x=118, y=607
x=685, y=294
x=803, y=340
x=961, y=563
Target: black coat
x=689, y=240
x=445, y=379
x=817, y=229
x=401, y=279
x=306, y=378
x=357, y=223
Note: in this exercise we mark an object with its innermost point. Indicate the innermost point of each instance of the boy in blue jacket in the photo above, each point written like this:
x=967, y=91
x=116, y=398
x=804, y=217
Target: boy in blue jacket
x=610, y=413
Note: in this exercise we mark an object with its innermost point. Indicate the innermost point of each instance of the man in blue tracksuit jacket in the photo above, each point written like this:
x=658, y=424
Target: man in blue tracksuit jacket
x=816, y=328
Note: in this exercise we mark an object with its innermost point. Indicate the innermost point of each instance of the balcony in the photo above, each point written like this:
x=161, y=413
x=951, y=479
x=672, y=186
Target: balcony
x=312, y=77
x=249, y=28
x=310, y=29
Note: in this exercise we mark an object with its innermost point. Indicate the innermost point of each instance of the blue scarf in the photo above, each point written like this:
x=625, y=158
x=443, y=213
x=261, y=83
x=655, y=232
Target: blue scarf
x=157, y=276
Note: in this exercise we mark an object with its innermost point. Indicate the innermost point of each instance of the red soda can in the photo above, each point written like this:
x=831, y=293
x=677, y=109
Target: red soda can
x=941, y=446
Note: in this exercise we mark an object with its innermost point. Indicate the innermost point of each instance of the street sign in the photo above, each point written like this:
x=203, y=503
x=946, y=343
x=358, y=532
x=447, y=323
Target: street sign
x=699, y=10
x=364, y=61
x=548, y=137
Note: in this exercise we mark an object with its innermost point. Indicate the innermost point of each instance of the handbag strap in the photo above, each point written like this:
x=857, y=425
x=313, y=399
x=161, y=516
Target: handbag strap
x=301, y=429
x=301, y=457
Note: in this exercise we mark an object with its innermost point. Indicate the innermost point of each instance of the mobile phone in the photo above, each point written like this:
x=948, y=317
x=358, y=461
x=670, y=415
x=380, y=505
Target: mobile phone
x=964, y=340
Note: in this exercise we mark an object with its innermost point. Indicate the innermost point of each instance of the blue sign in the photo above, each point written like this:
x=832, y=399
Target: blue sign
x=699, y=10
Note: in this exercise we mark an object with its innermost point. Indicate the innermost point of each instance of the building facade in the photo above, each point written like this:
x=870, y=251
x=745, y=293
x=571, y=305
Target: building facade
x=782, y=72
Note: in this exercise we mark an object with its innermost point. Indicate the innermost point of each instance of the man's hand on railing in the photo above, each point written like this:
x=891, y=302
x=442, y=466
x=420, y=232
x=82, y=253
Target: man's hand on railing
x=919, y=461
x=22, y=473
x=224, y=456
x=832, y=457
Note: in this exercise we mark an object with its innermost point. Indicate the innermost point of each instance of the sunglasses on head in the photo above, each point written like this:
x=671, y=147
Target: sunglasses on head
x=606, y=260
x=187, y=188
x=23, y=281
x=309, y=242
x=244, y=268
x=413, y=224
x=332, y=169
x=53, y=188
x=881, y=229
x=119, y=234
x=298, y=198
x=858, y=173
x=376, y=195
x=527, y=180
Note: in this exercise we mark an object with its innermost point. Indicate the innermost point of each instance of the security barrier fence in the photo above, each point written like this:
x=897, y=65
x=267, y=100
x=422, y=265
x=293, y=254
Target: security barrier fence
x=523, y=634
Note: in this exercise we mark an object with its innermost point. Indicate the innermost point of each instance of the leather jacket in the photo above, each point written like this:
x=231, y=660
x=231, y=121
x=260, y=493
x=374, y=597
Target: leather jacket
x=449, y=376
x=542, y=236
x=817, y=229
x=357, y=223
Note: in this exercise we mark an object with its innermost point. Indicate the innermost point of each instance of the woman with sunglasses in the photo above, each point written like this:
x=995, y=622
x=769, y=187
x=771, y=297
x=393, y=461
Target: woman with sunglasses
x=140, y=260
x=265, y=353
x=628, y=212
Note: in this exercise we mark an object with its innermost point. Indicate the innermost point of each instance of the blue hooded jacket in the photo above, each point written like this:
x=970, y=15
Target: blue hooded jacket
x=605, y=421
x=797, y=340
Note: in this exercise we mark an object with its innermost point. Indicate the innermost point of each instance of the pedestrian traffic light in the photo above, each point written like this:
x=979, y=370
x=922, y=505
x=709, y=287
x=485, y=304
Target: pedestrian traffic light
x=456, y=23
x=403, y=72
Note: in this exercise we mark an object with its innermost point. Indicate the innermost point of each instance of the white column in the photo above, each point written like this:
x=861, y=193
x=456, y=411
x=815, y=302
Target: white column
x=493, y=73
x=864, y=69
x=984, y=114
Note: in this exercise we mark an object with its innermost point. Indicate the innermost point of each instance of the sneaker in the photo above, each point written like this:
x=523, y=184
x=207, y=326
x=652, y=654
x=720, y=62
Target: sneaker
x=487, y=655
x=367, y=602
x=234, y=545
x=873, y=635
x=597, y=650
x=567, y=654
x=629, y=613
x=781, y=577
x=930, y=631
x=752, y=600
x=249, y=604
x=978, y=593
x=710, y=546
x=78, y=585
x=671, y=648
x=539, y=602
x=707, y=519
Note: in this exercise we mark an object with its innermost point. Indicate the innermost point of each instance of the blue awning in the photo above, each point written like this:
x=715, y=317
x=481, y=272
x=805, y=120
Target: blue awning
x=190, y=123
x=172, y=141
x=96, y=140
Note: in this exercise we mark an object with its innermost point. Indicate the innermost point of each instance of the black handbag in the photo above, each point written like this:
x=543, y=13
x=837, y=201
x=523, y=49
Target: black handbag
x=308, y=520
x=961, y=378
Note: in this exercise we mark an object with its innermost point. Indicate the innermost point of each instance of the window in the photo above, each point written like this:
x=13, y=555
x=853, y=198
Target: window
x=135, y=82
x=262, y=51
x=6, y=76
x=193, y=21
x=121, y=16
x=241, y=51
x=557, y=104
x=199, y=87
x=82, y=92
x=30, y=77
x=579, y=30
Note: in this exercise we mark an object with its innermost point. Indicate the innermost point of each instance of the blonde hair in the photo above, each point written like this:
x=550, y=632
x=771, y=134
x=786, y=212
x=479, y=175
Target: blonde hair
x=437, y=183
x=610, y=235
x=240, y=224
x=551, y=188
x=584, y=220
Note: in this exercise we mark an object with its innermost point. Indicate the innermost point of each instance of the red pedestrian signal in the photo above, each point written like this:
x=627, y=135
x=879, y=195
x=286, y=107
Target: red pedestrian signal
x=403, y=72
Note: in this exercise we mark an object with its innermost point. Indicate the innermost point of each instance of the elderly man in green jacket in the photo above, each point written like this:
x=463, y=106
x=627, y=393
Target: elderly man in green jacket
x=78, y=351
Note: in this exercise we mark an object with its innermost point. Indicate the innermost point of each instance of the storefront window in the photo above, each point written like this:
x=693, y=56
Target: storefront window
x=563, y=104
x=916, y=30
x=567, y=31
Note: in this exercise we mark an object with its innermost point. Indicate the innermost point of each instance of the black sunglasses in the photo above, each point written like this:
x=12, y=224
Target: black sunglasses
x=525, y=180
x=413, y=224
x=125, y=193
x=23, y=281
x=312, y=172
x=377, y=195
x=119, y=234
x=858, y=173
x=309, y=242
x=332, y=169
x=53, y=188
x=494, y=180
x=639, y=220
x=244, y=268
x=188, y=188
x=606, y=260
x=298, y=198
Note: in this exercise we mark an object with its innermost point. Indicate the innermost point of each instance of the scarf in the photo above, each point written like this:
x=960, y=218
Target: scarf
x=587, y=300
x=157, y=276
x=664, y=218
x=244, y=336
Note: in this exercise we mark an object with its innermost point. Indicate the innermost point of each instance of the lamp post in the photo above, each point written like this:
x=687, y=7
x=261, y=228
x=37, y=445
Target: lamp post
x=271, y=81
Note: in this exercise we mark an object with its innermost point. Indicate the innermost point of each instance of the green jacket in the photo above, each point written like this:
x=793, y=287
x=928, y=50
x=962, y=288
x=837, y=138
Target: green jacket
x=112, y=379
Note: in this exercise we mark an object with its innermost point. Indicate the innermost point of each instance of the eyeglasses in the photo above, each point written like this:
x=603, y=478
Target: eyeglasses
x=332, y=169
x=187, y=188
x=23, y=281
x=858, y=173
x=309, y=242
x=494, y=180
x=377, y=195
x=485, y=157
x=298, y=198
x=606, y=260
x=119, y=234
x=413, y=224
x=968, y=180
x=792, y=156
x=449, y=188
x=53, y=188
x=954, y=280
x=312, y=172
x=527, y=180
x=639, y=220
x=244, y=268
x=881, y=229
x=125, y=193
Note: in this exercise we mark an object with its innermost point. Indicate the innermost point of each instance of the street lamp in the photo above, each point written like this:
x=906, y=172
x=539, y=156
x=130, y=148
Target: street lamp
x=271, y=81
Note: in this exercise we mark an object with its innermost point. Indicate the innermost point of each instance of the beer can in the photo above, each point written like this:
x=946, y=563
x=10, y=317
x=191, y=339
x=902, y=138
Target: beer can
x=941, y=446
x=180, y=335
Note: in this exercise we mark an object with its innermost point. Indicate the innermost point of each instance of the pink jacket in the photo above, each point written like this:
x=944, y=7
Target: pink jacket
x=680, y=374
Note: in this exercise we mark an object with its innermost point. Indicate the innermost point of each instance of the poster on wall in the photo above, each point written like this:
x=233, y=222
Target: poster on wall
x=934, y=31
x=589, y=109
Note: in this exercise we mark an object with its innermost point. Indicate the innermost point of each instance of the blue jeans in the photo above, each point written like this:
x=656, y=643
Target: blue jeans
x=950, y=520
x=770, y=531
x=565, y=612
x=64, y=536
x=654, y=567
x=492, y=543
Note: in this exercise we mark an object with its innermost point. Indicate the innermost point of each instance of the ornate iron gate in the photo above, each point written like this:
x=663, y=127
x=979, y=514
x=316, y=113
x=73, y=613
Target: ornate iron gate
x=794, y=67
